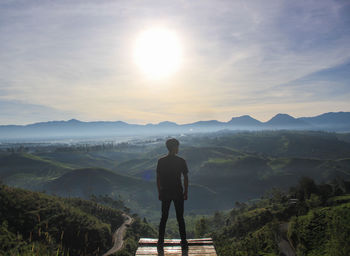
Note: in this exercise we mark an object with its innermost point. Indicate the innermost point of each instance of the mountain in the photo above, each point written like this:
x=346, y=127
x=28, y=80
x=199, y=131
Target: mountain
x=204, y=126
x=339, y=122
x=286, y=121
x=244, y=121
x=167, y=124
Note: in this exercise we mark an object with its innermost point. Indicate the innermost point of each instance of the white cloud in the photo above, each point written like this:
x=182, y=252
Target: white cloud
x=75, y=56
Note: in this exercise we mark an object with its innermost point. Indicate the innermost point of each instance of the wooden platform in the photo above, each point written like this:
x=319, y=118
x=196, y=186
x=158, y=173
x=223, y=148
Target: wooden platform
x=197, y=247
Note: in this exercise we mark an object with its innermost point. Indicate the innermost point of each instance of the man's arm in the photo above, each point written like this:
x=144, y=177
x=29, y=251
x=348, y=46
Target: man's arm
x=185, y=185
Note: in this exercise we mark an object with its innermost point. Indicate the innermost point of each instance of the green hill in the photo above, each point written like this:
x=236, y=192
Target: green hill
x=139, y=194
x=46, y=224
x=223, y=167
x=316, y=222
x=97, y=181
x=247, y=177
x=300, y=144
x=33, y=223
x=29, y=171
x=87, y=158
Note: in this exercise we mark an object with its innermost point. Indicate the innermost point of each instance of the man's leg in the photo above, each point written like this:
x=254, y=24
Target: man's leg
x=163, y=220
x=179, y=208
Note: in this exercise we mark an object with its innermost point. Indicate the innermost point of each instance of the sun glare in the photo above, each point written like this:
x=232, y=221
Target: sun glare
x=158, y=53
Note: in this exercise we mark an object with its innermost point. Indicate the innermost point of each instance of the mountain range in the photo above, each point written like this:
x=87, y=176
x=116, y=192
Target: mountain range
x=332, y=121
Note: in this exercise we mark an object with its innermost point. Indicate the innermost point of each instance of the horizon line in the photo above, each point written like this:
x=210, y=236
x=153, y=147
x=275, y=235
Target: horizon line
x=113, y=121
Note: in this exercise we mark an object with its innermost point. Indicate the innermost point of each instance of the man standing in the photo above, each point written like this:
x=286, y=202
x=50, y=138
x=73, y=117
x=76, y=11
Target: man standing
x=169, y=170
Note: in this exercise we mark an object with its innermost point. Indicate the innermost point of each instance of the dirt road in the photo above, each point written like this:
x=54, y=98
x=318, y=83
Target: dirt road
x=119, y=235
x=284, y=244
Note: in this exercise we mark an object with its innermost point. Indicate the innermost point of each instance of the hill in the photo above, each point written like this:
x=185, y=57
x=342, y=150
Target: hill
x=240, y=166
x=29, y=171
x=97, y=181
x=224, y=167
x=37, y=224
x=303, y=144
x=139, y=194
x=310, y=219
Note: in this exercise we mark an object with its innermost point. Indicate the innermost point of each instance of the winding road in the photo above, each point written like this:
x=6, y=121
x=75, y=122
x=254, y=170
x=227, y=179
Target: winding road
x=285, y=247
x=119, y=235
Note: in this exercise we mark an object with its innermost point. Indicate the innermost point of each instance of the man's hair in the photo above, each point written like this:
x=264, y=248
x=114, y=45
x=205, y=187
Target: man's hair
x=171, y=144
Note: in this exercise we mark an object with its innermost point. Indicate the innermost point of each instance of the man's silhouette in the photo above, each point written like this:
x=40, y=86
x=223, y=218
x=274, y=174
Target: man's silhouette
x=169, y=170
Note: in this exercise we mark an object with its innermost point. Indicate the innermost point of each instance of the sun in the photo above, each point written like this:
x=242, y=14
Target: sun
x=158, y=52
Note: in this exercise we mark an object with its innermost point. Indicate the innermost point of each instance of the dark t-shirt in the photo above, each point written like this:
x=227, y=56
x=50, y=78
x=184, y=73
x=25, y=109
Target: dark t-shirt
x=169, y=170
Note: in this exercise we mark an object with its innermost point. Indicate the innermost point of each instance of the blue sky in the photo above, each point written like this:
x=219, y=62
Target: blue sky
x=73, y=59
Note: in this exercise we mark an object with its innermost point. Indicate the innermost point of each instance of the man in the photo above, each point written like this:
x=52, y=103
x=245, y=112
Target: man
x=169, y=170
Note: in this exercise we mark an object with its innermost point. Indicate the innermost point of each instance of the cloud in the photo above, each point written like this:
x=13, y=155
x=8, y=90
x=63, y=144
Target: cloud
x=240, y=57
x=15, y=112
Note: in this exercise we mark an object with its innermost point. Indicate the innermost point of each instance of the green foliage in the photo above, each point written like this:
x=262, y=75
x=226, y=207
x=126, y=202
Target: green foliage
x=323, y=231
x=136, y=230
x=201, y=228
x=259, y=242
x=47, y=223
x=316, y=226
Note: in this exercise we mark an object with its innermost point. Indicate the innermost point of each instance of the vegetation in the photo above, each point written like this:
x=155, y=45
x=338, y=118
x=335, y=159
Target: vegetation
x=224, y=167
x=136, y=230
x=33, y=223
x=311, y=219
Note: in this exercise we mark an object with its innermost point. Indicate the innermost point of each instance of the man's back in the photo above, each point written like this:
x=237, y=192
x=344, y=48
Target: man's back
x=169, y=170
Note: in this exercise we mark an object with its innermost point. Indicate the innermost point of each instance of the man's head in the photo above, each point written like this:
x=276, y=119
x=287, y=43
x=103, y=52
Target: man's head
x=172, y=145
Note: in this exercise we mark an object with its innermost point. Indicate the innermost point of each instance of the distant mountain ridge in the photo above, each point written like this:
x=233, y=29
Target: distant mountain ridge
x=285, y=120
x=332, y=121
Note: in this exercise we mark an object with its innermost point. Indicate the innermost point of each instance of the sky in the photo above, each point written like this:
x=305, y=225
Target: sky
x=74, y=59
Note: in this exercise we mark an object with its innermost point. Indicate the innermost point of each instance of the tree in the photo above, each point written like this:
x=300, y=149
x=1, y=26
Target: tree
x=306, y=187
x=201, y=227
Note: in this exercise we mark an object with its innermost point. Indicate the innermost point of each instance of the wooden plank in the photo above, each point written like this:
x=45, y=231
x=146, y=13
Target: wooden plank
x=177, y=254
x=197, y=247
x=192, y=239
x=152, y=241
x=176, y=249
x=170, y=249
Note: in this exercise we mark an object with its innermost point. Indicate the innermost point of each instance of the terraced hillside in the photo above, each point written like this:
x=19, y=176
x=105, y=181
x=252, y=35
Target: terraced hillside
x=224, y=167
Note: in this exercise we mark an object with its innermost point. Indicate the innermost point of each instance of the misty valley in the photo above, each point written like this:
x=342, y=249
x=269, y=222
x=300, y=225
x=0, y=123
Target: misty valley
x=254, y=192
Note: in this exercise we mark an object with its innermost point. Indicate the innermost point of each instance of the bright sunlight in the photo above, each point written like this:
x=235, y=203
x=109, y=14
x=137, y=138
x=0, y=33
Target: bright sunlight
x=158, y=53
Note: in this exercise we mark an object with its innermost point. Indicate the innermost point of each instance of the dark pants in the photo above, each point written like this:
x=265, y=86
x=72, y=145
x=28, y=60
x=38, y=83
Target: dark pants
x=179, y=208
